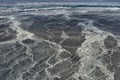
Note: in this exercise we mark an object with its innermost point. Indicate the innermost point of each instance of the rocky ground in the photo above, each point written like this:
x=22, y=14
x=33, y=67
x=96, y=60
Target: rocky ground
x=65, y=46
